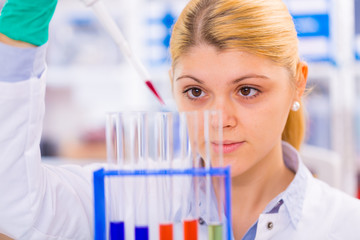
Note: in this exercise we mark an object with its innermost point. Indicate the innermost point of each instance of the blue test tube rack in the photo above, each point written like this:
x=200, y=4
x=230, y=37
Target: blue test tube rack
x=99, y=191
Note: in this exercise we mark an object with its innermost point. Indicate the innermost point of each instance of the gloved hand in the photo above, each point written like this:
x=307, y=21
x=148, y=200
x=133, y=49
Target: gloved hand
x=27, y=20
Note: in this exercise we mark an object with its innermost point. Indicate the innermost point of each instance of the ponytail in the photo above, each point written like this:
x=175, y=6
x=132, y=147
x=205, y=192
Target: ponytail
x=294, y=130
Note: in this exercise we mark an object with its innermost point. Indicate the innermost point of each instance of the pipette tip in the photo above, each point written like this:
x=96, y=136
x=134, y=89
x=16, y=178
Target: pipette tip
x=152, y=88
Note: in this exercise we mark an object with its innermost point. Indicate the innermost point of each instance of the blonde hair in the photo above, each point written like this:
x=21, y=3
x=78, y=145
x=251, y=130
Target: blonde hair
x=261, y=27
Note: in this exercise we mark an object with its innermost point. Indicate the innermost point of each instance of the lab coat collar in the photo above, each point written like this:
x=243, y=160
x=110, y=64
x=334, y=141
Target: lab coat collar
x=294, y=195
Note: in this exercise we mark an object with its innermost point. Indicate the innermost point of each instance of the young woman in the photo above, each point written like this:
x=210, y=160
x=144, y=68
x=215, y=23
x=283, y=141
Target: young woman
x=241, y=56
x=238, y=56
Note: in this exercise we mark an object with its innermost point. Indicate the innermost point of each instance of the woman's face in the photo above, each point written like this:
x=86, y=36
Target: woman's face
x=253, y=93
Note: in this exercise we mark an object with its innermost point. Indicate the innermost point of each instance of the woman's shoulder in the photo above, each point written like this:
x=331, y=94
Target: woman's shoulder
x=335, y=212
x=321, y=191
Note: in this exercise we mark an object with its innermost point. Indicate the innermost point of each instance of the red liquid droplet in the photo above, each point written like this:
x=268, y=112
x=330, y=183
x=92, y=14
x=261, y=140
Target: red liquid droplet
x=152, y=88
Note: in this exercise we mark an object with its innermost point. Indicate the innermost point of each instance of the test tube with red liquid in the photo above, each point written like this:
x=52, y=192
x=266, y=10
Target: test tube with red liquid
x=164, y=139
x=191, y=193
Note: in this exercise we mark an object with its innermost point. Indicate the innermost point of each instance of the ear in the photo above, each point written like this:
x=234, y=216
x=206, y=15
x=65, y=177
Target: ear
x=301, y=80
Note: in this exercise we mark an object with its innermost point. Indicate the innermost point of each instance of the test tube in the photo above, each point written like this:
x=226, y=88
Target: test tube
x=164, y=135
x=214, y=185
x=115, y=193
x=179, y=153
x=138, y=157
x=190, y=220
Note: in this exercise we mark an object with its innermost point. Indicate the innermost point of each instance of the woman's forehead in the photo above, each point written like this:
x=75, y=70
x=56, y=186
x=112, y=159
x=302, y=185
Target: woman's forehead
x=208, y=62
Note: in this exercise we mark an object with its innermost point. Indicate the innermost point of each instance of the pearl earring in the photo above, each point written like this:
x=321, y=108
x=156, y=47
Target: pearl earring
x=295, y=106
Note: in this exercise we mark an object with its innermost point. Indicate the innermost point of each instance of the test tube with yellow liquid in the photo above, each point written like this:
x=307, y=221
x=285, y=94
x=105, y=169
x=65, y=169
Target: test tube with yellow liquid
x=214, y=190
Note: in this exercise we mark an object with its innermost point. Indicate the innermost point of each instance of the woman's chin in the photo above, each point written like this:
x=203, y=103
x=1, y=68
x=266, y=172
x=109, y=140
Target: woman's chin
x=237, y=166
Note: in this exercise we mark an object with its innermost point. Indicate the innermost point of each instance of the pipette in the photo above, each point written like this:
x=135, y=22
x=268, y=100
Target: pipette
x=109, y=24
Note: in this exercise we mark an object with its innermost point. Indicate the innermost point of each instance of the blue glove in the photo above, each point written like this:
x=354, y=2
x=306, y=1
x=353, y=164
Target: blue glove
x=27, y=20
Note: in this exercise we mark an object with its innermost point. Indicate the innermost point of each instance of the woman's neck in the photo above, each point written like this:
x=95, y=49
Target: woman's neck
x=253, y=190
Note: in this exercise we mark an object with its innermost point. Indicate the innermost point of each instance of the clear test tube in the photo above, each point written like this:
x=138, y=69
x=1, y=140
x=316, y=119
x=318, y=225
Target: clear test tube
x=214, y=185
x=190, y=218
x=164, y=138
x=115, y=189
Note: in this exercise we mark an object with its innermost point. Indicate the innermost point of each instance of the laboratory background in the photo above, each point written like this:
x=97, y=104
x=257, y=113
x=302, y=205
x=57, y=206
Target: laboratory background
x=88, y=77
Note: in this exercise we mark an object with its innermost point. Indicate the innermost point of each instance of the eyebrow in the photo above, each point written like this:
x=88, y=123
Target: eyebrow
x=234, y=82
x=250, y=76
x=189, y=76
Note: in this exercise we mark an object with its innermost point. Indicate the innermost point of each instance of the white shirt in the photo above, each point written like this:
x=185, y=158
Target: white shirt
x=38, y=201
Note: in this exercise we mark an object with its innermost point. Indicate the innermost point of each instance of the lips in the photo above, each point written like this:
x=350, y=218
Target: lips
x=227, y=146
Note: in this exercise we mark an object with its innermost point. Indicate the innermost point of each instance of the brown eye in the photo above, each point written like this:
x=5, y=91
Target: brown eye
x=196, y=92
x=248, y=92
x=245, y=91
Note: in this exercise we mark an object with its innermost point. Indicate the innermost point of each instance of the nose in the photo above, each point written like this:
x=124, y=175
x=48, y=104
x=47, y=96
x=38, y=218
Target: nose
x=228, y=113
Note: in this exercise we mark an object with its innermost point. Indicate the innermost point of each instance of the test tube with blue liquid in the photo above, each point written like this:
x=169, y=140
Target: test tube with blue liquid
x=115, y=186
x=139, y=161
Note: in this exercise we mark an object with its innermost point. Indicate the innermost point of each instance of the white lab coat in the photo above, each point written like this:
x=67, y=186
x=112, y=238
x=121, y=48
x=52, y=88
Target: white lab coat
x=33, y=195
